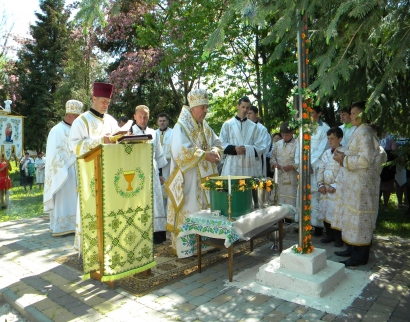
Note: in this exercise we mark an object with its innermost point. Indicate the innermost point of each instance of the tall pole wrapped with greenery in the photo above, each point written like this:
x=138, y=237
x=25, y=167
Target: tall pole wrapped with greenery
x=304, y=104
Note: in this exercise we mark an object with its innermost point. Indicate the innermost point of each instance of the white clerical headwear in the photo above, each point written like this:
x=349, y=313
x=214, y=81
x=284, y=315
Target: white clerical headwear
x=73, y=107
x=197, y=97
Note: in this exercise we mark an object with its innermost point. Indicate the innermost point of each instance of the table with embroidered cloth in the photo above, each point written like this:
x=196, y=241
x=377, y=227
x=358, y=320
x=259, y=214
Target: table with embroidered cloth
x=207, y=230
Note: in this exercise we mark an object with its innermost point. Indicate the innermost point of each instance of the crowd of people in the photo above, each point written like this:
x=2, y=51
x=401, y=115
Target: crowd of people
x=346, y=163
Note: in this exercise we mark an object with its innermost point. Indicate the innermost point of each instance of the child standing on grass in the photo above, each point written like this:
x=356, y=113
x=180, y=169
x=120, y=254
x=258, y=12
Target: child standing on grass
x=5, y=182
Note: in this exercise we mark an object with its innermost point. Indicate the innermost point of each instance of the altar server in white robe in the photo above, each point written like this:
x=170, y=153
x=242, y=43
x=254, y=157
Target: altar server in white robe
x=328, y=186
x=242, y=143
x=253, y=115
x=165, y=134
x=141, y=117
x=91, y=129
x=347, y=126
x=318, y=145
x=195, y=150
x=60, y=184
x=282, y=157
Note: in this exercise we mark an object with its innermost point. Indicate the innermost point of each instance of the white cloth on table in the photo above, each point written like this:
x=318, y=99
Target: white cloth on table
x=244, y=228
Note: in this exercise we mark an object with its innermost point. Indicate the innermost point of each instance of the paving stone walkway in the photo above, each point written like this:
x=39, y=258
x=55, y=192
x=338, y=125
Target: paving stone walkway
x=43, y=290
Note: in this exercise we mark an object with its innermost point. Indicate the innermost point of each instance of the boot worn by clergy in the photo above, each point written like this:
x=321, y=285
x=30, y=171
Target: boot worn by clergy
x=360, y=256
x=337, y=234
x=329, y=234
x=318, y=231
x=345, y=253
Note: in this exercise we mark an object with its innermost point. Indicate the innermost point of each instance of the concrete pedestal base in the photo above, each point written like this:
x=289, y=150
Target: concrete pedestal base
x=308, y=274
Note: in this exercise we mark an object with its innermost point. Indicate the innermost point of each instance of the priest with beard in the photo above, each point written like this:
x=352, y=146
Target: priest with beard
x=195, y=150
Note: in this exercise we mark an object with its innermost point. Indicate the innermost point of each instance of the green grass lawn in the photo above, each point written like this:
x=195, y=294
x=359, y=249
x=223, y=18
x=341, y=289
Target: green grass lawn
x=29, y=204
x=395, y=222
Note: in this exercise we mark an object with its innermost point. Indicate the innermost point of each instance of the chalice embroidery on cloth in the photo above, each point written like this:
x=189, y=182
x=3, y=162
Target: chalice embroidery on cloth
x=129, y=183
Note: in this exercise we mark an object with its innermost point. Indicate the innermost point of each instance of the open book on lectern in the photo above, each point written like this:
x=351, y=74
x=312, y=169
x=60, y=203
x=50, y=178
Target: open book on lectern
x=135, y=138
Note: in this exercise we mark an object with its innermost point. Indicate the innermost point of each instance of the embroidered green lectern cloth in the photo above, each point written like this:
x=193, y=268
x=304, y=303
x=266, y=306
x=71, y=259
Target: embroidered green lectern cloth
x=126, y=206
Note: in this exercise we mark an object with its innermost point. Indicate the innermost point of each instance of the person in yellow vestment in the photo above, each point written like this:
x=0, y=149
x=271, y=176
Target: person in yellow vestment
x=360, y=167
x=195, y=150
x=89, y=130
x=283, y=158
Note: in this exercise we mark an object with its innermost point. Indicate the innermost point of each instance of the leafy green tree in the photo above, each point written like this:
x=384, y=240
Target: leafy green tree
x=178, y=30
x=360, y=50
x=83, y=66
x=40, y=69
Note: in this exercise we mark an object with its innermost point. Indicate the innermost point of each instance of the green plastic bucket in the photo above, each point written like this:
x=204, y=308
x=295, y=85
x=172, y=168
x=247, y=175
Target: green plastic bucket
x=241, y=202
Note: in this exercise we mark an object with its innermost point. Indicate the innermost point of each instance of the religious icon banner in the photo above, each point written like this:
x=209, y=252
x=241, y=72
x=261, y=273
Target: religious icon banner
x=11, y=135
x=127, y=212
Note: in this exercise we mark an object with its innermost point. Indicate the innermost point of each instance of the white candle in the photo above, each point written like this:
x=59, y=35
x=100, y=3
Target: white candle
x=276, y=174
x=229, y=184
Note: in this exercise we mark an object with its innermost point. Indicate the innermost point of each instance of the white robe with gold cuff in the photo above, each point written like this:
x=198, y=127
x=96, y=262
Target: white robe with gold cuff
x=60, y=184
x=360, y=180
x=189, y=170
x=87, y=132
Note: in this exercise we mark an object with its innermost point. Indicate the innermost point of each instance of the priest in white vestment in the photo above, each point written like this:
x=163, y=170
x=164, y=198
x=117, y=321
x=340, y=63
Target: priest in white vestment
x=195, y=150
x=165, y=134
x=242, y=143
x=141, y=117
x=60, y=184
x=318, y=145
x=282, y=157
x=89, y=130
x=266, y=139
x=347, y=126
x=361, y=162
